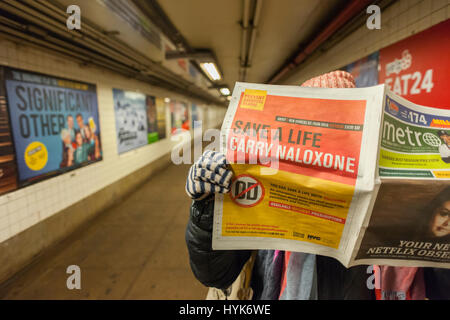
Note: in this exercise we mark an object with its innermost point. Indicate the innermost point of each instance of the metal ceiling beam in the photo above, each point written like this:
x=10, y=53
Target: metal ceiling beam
x=159, y=18
x=353, y=9
x=156, y=15
x=43, y=23
x=198, y=54
x=249, y=25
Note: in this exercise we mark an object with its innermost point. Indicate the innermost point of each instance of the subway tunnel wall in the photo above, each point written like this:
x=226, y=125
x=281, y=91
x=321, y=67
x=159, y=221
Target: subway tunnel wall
x=400, y=20
x=35, y=217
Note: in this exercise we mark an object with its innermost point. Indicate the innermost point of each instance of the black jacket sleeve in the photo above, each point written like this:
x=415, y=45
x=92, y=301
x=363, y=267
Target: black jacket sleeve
x=213, y=268
x=437, y=283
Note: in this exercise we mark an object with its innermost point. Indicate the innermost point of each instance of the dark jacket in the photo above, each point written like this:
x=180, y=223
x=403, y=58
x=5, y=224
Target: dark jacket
x=219, y=268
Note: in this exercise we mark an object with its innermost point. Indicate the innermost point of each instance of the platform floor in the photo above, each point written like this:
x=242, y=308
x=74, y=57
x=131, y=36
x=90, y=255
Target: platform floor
x=135, y=250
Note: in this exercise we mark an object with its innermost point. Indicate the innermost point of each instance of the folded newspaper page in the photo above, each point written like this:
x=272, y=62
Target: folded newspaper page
x=410, y=222
x=306, y=174
x=305, y=168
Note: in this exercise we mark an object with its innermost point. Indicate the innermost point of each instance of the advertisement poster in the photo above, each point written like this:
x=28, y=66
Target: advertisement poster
x=417, y=68
x=179, y=116
x=131, y=120
x=196, y=115
x=55, y=123
x=364, y=71
x=415, y=141
x=161, y=117
x=8, y=170
x=152, y=124
x=296, y=160
x=409, y=221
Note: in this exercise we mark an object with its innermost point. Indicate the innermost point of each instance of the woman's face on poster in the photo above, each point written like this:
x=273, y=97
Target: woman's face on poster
x=440, y=223
x=87, y=132
x=79, y=139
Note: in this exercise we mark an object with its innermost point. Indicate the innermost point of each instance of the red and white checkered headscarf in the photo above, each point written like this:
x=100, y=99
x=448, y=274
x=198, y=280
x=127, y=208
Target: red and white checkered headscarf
x=335, y=79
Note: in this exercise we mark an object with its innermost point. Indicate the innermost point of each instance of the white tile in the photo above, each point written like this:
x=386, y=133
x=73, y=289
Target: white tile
x=439, y=16
x=438, y=4
x=4, y=234
x=4, y=222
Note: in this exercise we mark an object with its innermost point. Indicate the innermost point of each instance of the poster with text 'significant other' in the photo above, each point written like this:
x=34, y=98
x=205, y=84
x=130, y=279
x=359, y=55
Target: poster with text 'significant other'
x=304, y=163
x=8, y=168
x=131, y=120
x=418, y=69
x=54, y=121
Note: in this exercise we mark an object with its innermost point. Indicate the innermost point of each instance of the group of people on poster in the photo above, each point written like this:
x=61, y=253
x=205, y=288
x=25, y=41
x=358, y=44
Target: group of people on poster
x=79, y=143
x=54, y=124
x=59, y=118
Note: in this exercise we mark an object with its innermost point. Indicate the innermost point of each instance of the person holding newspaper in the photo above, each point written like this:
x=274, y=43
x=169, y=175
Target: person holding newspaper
x=275, y=274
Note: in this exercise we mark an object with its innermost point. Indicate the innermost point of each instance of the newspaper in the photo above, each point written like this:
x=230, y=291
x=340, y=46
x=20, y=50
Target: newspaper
x=334, y=172
x=410, y=222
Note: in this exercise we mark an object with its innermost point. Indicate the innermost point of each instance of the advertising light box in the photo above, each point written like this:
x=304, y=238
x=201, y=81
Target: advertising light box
x=54, y=121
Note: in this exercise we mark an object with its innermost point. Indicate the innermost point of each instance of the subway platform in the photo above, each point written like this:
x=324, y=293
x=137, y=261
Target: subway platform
x=135, y=250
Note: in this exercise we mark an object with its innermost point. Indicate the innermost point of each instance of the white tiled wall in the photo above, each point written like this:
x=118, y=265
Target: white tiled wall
x=25, y=207
x=400, y=20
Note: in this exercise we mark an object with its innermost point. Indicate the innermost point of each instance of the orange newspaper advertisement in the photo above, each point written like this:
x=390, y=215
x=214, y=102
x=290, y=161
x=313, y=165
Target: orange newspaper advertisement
x=304, y=163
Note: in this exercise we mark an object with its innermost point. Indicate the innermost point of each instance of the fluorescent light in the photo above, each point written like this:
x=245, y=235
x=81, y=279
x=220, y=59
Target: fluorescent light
x=134, y=95
x=211, y=70
x=225, y=91
x=166, y=100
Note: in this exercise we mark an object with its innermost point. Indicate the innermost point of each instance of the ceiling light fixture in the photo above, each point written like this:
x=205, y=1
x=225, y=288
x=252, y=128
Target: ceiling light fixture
x=211, y=70
x=225, y=91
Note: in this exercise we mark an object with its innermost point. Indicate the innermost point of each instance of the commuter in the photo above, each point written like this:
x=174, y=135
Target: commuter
x=276, y=274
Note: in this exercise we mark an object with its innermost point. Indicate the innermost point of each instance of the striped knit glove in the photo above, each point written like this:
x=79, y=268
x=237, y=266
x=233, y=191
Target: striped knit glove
x=208, y=175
